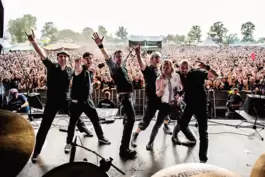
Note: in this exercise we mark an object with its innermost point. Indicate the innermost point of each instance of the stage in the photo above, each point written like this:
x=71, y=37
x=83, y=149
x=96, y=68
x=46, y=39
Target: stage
x=229, y=147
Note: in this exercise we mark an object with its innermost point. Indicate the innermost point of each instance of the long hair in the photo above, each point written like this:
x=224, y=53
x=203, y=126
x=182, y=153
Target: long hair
x=169, y=62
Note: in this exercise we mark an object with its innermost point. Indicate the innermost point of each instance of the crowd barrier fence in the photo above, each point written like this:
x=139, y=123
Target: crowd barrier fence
x=218, y=99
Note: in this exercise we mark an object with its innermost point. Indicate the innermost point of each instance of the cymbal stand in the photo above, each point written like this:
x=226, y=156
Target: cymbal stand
x=105, y=164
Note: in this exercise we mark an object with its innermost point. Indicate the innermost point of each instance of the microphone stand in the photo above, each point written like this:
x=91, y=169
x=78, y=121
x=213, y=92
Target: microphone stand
x=105, y=164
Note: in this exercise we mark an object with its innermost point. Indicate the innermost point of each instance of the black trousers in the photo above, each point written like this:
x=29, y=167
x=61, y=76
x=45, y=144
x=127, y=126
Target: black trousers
x=127, y=103
x=199, y=109
x=76, y=109
x=151, y=107
x=50, y=110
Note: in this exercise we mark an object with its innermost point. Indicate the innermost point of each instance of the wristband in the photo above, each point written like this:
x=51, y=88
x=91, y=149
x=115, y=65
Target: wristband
x=101, y=46
x=207, y=67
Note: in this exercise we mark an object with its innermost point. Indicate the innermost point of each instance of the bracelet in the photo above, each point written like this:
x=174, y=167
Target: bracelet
x=207, y=67
x=101, y=46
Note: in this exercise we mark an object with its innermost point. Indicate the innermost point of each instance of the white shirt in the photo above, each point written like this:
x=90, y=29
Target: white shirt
x=175, y=82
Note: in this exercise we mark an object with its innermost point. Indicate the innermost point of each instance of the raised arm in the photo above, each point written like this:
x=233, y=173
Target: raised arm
x=99, y=41
x=38, y=49
x=140, y=60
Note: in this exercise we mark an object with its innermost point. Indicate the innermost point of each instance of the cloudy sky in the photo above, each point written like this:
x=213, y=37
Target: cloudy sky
x=141, y=17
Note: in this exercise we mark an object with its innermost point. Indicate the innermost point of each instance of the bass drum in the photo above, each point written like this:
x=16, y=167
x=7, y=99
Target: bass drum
x=77, y=169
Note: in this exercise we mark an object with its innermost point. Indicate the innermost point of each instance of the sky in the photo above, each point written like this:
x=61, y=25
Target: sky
x=141, y=17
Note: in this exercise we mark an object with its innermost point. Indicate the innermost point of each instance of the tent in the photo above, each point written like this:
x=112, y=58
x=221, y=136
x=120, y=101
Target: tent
x=208, y=42
x=60, y=46
x=6, y=45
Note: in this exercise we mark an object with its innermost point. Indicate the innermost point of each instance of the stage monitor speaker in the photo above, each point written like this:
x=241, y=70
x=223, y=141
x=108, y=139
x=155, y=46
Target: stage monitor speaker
x=34, y=100
x=257, y=102
x=1, y=20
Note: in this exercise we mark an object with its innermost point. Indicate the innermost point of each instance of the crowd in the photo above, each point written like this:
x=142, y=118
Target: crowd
x=235, y=65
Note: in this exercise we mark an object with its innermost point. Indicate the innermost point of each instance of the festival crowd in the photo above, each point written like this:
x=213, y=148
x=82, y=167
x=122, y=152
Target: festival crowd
x=236, y=65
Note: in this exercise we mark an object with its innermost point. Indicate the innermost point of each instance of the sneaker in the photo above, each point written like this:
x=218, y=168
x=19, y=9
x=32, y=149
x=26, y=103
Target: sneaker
x=189, y=143
x=167, y=129
x=134, y=139
x=127, y=154
x=149, y=146
x=67, y=148
x=34, y=158
x=104, y=141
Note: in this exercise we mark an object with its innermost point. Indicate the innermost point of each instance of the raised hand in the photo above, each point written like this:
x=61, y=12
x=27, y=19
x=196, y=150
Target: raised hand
x=137, y=49
x=31, y=37
x=201, y=64
x=97, y=39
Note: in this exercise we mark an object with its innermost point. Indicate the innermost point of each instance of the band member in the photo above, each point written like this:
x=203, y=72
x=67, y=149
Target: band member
x=81, y=101
x=196, y=103
x=124, y=85
x=58, y=76
x=153, y=101
x=165, y=86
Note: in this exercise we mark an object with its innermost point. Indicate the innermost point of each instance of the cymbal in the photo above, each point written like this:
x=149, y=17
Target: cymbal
x=17, y=140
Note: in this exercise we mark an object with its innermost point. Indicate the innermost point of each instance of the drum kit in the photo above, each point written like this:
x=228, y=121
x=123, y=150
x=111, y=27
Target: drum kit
x=17, y=140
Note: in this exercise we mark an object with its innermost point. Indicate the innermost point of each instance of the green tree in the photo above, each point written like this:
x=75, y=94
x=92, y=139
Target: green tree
x=194, y=34
x=261, y=40
x=122, y=33
x=102, y=31
x=231, y=39
x=87, y=33
x=170, y=37
x=17, y=27
x=247, y=30
x=218, y=32
x=68, y=34
x=49, y=31
x=180, y=38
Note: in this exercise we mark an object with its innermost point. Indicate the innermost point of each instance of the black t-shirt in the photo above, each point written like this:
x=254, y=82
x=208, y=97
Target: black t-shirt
x=106, y=103
x=81, y=85
x=14, y=83
x=150, y=75
x=235, y=99
x=58, y=80
x=193, y=85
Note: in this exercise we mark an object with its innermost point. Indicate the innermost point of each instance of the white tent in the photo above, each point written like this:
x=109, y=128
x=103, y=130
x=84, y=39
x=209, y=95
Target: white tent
x=208, y=42
x=6, y=45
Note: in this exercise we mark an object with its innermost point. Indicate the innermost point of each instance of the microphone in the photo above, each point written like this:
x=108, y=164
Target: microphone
x=73, y=150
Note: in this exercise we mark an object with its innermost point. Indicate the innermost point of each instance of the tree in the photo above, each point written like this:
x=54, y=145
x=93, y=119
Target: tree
x=194, y=34
x=180, y=38
x=261, y=40
x=231, y=39
x=68, y=34
x=122, y=33
x=218, y=32
x=19, y=26
x=247, y=30
x=87, y=33
x=49, y=31
x=102, y=31
x=170, y=37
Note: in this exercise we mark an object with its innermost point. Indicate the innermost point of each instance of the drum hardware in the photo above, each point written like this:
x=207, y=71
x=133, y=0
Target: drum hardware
x=105, y=164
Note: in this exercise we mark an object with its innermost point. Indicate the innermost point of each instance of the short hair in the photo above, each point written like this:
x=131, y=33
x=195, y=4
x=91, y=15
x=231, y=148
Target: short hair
x=155, y=54
x=170, y=64
x=117, y=52
x=87, y=54
x=184, y=62
x=107, y=94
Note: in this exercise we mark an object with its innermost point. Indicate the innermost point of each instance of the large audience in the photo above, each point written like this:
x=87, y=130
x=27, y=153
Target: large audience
x=235, y=65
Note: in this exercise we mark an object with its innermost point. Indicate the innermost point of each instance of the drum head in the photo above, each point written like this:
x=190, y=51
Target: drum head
x=77, y=169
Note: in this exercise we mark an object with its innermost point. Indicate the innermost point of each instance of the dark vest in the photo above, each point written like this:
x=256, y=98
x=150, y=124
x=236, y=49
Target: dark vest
x=81, y=85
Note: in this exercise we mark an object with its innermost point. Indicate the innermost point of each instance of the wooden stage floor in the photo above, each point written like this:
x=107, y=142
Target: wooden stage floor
x=229, y=147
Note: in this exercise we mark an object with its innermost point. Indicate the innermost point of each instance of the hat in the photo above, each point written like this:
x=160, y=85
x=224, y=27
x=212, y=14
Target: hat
x=13, y=91
x=63, y=52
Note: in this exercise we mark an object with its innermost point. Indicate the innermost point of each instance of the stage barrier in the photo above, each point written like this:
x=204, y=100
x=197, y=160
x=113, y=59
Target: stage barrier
x=217, y=97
